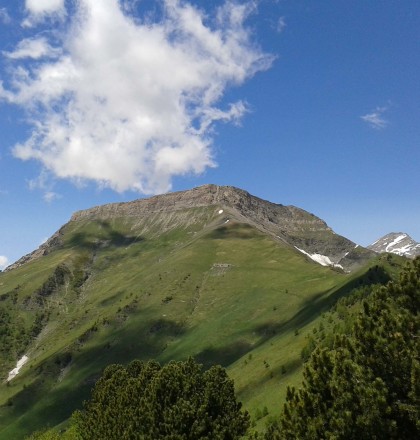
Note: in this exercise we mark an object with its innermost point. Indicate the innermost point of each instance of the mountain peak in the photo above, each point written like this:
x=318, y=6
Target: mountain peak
x=289, y=225
x=399, y=243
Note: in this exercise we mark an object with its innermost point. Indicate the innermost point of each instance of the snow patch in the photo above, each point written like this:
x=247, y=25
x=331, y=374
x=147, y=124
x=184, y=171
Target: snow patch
x=393, y=243
x=227, y=221
x=323, y=260
x=402, y=251
x=320, y=259
x=20, y=363
x=220, y=211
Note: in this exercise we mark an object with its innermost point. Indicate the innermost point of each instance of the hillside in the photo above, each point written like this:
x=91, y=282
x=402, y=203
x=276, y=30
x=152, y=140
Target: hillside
x=212, y=273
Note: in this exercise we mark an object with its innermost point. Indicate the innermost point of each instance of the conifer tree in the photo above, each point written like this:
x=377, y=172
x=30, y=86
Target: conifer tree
x=367, y=385
x=178, y=401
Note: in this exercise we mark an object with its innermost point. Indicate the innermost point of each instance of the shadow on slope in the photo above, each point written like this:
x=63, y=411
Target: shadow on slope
x=104, y=235
x=234, y=230
x=223, y=355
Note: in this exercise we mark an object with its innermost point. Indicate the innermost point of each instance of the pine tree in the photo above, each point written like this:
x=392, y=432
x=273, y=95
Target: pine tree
x=178, y=401
x=366, y=386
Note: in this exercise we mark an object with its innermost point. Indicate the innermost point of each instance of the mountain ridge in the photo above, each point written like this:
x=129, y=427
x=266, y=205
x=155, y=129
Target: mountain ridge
x=293, y=226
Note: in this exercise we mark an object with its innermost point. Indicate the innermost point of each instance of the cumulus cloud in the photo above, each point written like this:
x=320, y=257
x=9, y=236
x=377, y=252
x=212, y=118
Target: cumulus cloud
x=130, y=103
x=375, y=119
x=4, y=262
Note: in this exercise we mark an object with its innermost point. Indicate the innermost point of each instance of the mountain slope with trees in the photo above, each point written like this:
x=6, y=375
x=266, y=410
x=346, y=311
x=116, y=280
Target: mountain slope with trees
x=366, y=384
x=362, y=384
x=169, y=278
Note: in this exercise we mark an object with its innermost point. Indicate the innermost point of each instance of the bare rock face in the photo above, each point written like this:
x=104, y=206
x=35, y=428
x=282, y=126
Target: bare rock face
x=293, y=226
x=242, y=202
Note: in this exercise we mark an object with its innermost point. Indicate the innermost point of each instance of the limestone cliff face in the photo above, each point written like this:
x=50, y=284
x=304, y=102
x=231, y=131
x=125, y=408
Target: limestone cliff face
x=247, y=207
x=288, y=224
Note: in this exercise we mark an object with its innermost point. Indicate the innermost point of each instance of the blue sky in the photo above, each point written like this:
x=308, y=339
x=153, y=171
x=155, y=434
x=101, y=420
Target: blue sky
x=301, y=102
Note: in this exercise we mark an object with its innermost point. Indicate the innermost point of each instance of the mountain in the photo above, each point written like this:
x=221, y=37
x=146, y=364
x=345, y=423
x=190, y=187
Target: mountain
x=301, y=230
x=397, y=243
x=213, y=272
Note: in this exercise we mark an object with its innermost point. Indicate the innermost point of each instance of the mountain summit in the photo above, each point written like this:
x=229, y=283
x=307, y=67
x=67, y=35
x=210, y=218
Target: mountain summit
x=397, y=243
x=293, y=226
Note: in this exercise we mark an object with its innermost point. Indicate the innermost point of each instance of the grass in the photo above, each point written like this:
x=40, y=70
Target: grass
x=165, y=287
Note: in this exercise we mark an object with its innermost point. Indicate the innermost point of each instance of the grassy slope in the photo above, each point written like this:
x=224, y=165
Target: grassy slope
x=222, y=292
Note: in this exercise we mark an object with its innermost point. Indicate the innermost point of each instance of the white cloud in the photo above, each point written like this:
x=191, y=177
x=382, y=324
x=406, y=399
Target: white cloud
x=4, y=262
x=45, y=183
x=34, y=48
x=41, y=7
x=375, y=119
x=4, y=16
x=39, y=10
x=50, y=196
x=130, y=104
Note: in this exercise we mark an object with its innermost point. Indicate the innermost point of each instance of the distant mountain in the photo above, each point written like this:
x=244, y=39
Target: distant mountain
x=397, y=243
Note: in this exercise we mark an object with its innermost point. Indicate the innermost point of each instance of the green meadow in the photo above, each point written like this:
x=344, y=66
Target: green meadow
x=194, y=283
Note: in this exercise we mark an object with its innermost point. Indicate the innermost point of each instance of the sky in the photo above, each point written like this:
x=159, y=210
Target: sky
x=308, y=103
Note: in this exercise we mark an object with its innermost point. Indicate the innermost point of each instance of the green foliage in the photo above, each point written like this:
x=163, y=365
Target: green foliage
x=44, y=435
x=57, y=279
x=14, y=335
x=366, y=385
x=179, y=401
